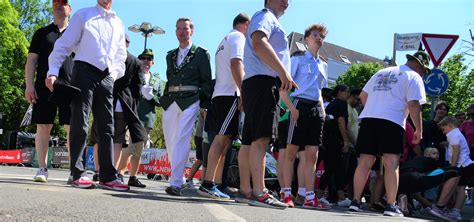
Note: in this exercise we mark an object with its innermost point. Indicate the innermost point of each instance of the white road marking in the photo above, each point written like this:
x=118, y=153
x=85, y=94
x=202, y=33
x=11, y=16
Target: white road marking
x=222, y=214
x=16, y=176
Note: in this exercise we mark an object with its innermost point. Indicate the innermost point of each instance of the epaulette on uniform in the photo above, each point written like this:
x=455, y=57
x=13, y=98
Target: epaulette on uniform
x=172, y=50
x=200, y=47
x=298, y=53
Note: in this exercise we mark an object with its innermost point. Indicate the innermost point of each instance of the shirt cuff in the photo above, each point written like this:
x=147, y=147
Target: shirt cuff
x=52, y=72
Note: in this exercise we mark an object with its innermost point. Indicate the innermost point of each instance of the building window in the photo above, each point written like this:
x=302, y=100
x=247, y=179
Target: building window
x=345, y=59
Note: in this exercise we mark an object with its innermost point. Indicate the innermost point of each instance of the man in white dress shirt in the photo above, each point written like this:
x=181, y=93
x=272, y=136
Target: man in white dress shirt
x=97, y=36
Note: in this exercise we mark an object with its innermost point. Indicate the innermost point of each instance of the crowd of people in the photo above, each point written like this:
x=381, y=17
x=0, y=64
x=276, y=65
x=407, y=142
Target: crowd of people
x=377, y=132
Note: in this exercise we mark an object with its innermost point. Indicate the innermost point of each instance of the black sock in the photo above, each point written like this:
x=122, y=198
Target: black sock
x=440, y=207
x=208, y=184
x=133, y=178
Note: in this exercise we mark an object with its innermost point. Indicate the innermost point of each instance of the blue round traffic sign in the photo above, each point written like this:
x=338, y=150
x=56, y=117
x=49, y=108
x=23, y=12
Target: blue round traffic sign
x=436, y=83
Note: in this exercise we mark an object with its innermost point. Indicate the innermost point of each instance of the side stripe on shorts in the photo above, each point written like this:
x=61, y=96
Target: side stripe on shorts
x=292, y=125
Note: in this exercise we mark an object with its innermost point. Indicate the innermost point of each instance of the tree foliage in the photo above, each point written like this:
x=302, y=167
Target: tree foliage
x=33, y=14
x=460, y=92
x=13, y=52
x=358, y=74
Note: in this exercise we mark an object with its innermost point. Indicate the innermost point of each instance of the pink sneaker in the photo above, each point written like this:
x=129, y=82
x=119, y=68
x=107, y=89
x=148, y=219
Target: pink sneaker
x=289, y=201
x=83, y=182
x=315, y=204
x=116, y=185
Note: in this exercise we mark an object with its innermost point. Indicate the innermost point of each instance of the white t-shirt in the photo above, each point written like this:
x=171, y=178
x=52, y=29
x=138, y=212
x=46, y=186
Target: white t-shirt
x=389, y=92
x=455, y=137
x=231, y=47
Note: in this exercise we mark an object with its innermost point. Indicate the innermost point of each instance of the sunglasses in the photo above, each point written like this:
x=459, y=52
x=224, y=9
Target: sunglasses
x=146, y=58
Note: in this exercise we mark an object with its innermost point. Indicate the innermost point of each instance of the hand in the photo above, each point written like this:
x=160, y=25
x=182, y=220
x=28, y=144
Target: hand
x=287, y=82
x=30, y=94
x=49, y=82
x=416, y=137
x=294, y=116
x=346, y=147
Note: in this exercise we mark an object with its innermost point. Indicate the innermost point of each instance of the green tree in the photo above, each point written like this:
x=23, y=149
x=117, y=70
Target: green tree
x=156, y=134
x=358, y=74
x=13, y=51
x=33, y=14
x=460, y=92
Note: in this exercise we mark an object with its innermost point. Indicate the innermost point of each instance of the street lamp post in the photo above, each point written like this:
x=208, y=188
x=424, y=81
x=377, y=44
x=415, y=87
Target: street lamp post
x=147, y=30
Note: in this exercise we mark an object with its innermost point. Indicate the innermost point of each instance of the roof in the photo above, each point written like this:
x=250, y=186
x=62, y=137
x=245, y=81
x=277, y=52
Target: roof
x=333, y=52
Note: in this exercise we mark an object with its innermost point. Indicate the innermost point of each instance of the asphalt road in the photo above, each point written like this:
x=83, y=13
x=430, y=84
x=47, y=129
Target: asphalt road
x=24, y=200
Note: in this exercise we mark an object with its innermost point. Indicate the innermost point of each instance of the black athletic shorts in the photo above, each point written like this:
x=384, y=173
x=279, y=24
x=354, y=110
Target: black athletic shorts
x=260, y=96
x=198, y=143
x=44, y=111
x=282, y=133
x=379, y=136
x=308, y=130
x=223, y=116
x=467, y=176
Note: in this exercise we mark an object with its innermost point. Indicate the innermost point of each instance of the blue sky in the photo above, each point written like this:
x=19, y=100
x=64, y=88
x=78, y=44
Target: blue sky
x=366, y=26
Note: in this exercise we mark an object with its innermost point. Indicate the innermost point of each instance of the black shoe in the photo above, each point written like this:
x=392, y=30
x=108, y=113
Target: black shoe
x=173, y=191
x=120, y=177
x=95, y=178
x=393, y=211
x=355, y=206
x=134, y=182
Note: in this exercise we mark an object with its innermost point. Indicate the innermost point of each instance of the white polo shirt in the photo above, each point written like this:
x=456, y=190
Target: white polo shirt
x=231, y=47
x=389, y=92
x=455, y=137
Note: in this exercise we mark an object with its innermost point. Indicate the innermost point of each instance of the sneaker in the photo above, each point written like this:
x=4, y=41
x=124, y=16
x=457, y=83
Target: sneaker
x=355, y=206
x=299, y=200
x=267, y=200
x=69, y=180
x=41, y=175
x=229, y=191
x=325, y=201
x=120, y=177
x=96, y=177
x=392, y=210
x=240, y=197
x=173, y=191
x=134, y=182
x=288, y=200
x=344, y=203
x=213, y=193
x=454, y=215
x=83, y=182
x=315, y=204
x=403, y=204
x=189, y=184
x=440, y=213
x=470, y=202
x=116, y=185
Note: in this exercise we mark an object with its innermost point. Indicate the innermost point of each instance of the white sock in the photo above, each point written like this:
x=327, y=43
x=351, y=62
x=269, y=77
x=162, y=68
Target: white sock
x=302, y=191
x=310, y=195
x=286, y=191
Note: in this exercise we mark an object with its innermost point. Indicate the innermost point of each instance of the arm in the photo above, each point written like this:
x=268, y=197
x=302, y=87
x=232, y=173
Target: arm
x=63, y=47
x=265, y=52
x=455, y=157
x=414, y=108
x=363, y=97
x=118, y=69
x=30, y=92
x=293, y=111
x=205, y=80
x=237, y=68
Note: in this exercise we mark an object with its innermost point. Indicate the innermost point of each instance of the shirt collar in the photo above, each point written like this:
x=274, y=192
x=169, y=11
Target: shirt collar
x=185, y=49
x=104, y=12
x=310, y=56
x=272, y=11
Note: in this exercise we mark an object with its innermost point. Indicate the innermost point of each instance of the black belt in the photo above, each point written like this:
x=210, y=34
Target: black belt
x=307, y=101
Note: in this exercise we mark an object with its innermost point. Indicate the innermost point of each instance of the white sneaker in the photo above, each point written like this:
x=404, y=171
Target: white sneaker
x=344, y=203
x=41, y=175
x=188, y=184
x=323, y=200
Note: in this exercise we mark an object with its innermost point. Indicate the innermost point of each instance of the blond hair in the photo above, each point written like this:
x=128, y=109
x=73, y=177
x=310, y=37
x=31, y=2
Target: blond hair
x=429, y=151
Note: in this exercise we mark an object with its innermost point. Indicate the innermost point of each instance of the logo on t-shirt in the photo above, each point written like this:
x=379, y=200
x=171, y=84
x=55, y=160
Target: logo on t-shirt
x=384, y=80
x=220, y=49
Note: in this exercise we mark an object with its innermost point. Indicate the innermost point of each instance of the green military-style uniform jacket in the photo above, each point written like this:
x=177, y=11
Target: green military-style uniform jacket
x=195, y=70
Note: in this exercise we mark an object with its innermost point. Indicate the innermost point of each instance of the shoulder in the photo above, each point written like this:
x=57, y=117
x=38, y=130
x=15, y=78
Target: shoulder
x=235, y=36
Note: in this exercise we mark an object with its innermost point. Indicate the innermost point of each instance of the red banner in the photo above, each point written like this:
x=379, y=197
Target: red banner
x=10, y=156
x=155, y=161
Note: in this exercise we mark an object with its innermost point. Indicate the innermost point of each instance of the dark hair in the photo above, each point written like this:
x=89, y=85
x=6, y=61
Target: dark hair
x=240, y=18
x=321, y=28
x=442, y=103
x=185, y=19
x=265, y=3
x=355, y=92
x=339, y=88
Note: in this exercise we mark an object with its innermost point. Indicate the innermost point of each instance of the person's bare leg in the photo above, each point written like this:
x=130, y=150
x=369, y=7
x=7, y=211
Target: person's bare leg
x=96, y=157
x=378, y=188
x=288, y=165
x=390, y=163
x=194, y=169
x=362, y=172
x=135, y=158
x=244, y=169
x=460, y=197
x=216, y=158
x=117, y=153
x=300, y=172
x=257, y=163
x=280, y=162
x=42, y=143
x=447, y=191
x=125, y=158
x=311, y=153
